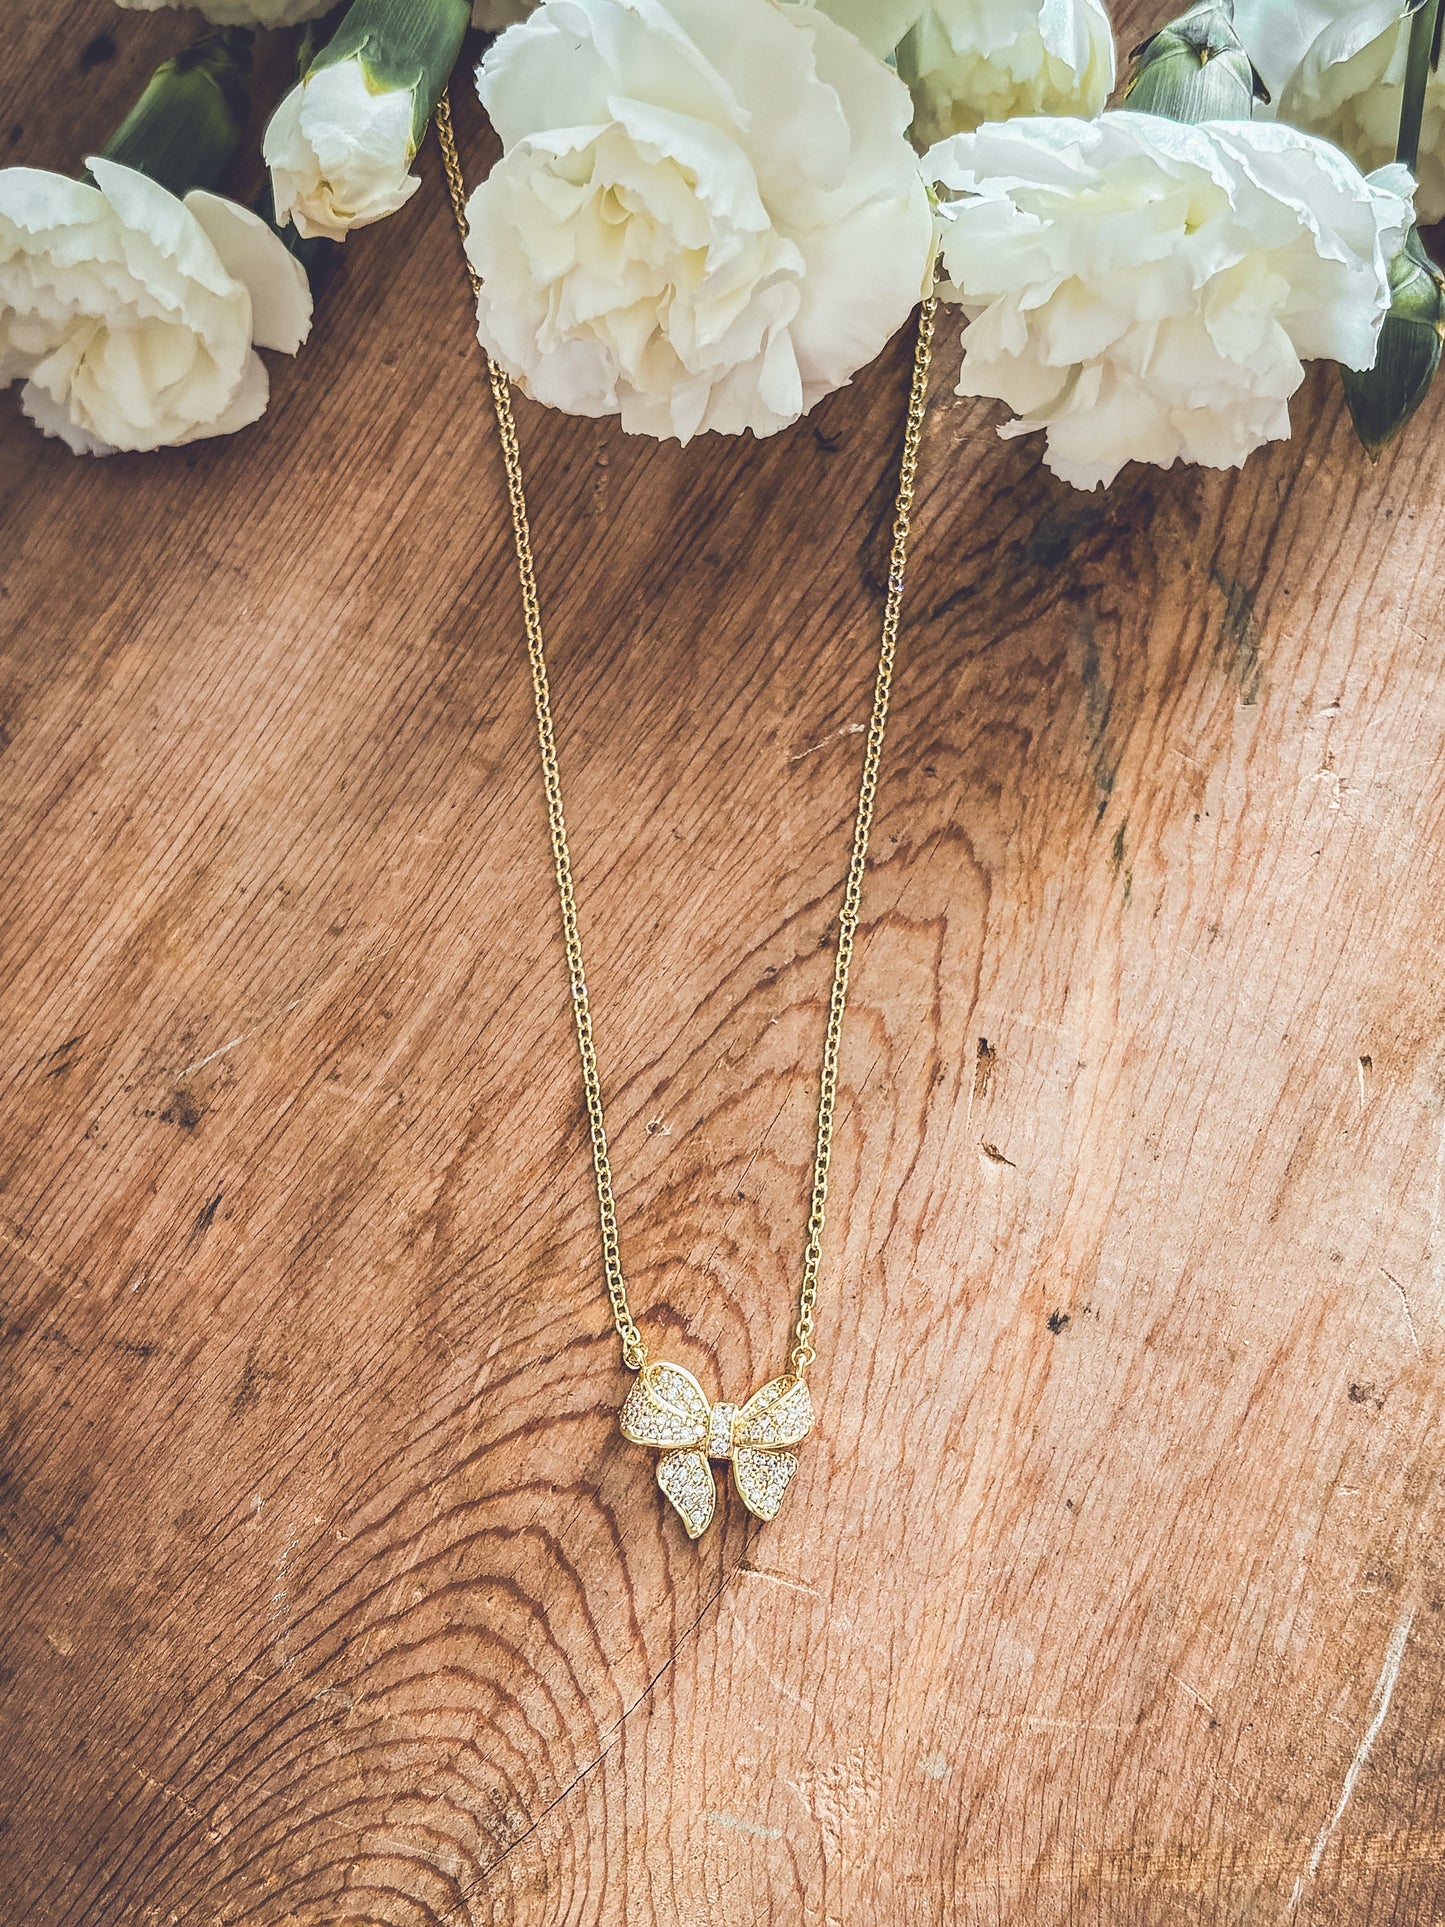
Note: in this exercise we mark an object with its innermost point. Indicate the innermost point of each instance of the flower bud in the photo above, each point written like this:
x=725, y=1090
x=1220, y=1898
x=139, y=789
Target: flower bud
x=1383, y=398
x=341, y=143
x=188, y=123
x=1196, y=69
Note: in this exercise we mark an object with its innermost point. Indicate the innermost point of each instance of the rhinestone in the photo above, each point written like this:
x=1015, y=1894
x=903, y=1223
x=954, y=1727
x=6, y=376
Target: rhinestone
x=780, y=1414
x=685, y=1478
x=720, y=1432
x=762, y=1478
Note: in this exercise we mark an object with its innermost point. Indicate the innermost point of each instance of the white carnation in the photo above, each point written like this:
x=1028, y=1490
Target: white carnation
x=339, y=151
x=1141, y=290
x=243, y=13
x=970, y=61
x=1337, y=67
x=706, y=214
x=133, y=317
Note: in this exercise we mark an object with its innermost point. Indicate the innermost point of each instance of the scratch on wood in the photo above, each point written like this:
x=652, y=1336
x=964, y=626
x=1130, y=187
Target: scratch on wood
x=848, y=729
x=1379, y=1711
x=736, y=1629
x=743, y=1826
x=1117, y=866
x=223, y=1049
x=1194, y=1694
x=1409, y=1315
x=201, y=1062
x=777, y=1578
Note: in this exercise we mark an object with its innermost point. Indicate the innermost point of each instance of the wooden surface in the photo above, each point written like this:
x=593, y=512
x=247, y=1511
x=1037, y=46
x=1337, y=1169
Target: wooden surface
x=1110, y=1591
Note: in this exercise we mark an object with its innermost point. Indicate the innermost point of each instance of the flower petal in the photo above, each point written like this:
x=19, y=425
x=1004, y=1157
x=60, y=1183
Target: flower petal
x=263, y=264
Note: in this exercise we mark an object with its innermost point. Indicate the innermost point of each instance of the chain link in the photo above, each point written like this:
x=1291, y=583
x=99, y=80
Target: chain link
x=634, y=1352
x=803, y=1354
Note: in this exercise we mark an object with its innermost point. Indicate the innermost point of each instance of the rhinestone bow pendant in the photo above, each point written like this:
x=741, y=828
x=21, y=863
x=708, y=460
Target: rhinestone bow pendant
x=668, y=1410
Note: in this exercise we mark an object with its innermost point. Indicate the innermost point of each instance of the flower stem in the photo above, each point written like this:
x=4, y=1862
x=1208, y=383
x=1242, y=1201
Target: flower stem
x=1422, y=54
x=187, y=125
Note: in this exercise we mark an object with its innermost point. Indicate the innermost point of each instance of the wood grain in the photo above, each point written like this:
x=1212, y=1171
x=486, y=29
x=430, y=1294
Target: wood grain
x=1111, y=1590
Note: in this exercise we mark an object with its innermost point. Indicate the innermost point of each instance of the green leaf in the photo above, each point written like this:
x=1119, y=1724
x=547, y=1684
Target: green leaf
x=1382, y=398
x=1196, y=69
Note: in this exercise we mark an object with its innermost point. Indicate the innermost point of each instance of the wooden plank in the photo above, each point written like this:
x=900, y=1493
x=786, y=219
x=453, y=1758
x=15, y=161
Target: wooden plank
x=1110, y=1590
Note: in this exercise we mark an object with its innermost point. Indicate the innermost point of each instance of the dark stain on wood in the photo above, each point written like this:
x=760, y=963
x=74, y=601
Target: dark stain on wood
x=1240, y=638
x=98, y=51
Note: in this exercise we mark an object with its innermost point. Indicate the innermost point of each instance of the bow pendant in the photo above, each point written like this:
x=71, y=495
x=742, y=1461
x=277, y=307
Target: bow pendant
x=668, y=1410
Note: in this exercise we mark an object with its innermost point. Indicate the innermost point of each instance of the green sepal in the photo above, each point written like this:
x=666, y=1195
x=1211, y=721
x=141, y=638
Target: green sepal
x=187, y=125
x=1382, y=398
x=402, y=45
x=1196, y=68
x=318, y=255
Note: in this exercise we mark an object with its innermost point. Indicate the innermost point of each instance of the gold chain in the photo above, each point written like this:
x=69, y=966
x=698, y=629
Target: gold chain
x=634, y=1352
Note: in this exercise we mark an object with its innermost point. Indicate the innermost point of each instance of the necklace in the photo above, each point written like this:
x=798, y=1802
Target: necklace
x=667, y=1408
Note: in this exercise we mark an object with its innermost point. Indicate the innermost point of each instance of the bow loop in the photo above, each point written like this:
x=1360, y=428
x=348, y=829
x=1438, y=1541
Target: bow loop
x=780, y=1414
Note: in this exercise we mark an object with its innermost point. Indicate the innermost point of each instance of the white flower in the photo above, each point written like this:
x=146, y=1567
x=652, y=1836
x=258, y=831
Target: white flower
x=339, y=151
x=1143, y=290
x=706, y=214
x=968, y=61
x=133, y=317
x=243, y=13
x=1337, y=67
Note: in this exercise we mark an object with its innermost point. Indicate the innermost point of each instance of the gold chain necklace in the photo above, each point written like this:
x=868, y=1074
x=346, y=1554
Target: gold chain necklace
x=666, y=1408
